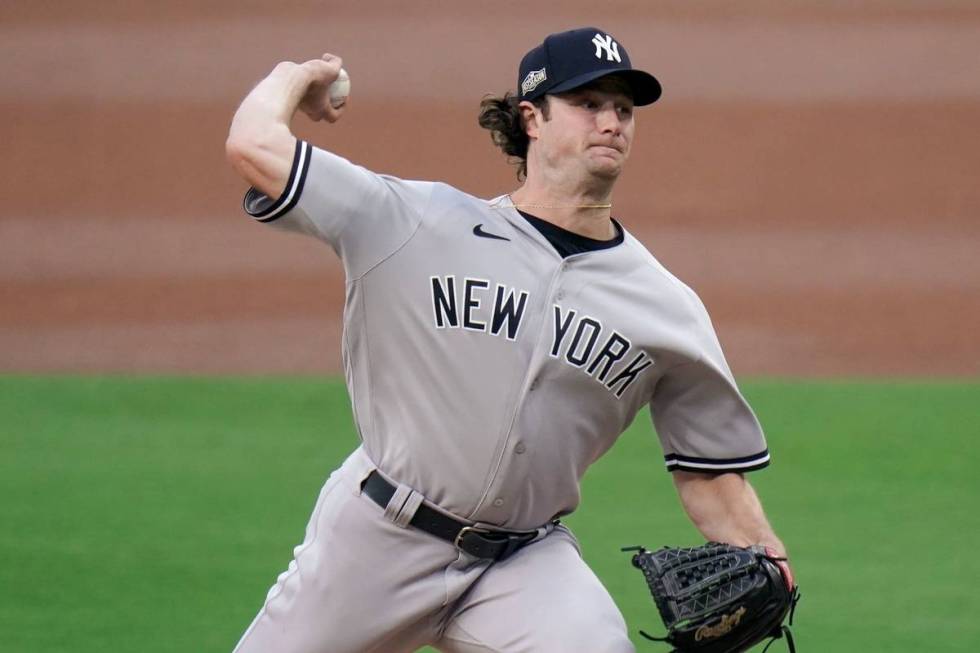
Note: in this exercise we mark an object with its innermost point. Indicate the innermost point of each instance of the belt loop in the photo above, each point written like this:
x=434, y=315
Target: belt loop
x=408, y=510
x=402, y=505
x=545, y=530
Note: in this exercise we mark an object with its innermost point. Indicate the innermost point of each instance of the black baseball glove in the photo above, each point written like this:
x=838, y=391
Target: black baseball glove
x=717, y=598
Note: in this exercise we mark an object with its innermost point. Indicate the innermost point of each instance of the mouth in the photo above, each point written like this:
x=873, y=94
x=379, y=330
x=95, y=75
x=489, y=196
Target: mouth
x=607, y=150
x=607, y=146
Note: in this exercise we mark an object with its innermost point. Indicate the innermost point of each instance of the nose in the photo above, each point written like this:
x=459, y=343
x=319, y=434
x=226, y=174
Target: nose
x=607, y=120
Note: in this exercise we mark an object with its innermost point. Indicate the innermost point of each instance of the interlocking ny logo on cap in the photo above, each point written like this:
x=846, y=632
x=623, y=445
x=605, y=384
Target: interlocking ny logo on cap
x=533, y=80
x=606, y=43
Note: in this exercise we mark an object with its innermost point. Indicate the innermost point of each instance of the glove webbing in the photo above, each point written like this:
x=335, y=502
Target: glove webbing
x=778, y=632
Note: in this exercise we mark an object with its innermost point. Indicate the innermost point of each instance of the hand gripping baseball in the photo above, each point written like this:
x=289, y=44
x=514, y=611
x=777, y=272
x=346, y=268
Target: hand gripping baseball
x=326, y=95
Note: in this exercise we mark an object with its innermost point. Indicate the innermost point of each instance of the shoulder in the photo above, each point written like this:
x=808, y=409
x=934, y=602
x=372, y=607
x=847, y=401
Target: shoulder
x=437, y=194
x=449, y=194
x=447, y=202
x=653, y=272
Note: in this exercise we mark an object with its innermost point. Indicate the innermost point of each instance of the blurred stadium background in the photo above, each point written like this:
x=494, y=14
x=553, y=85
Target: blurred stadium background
x=811, y=171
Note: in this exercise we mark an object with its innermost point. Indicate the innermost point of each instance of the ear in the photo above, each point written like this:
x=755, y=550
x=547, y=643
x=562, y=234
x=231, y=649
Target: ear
x=531, y=116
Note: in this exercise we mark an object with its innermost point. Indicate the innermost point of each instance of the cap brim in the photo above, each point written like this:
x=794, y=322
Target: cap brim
x=646, y=89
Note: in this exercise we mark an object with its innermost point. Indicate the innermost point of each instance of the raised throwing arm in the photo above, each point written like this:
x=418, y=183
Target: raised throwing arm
x=260, y=144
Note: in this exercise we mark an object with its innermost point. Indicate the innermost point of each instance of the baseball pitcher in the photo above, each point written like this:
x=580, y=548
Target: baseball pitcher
x=493, y=350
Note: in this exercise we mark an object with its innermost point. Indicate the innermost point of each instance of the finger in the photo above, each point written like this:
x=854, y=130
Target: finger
x=332, y=113
x=333, y=62
x=326, y=112
x=324, y=71
x=783, y=564
x=787, y=574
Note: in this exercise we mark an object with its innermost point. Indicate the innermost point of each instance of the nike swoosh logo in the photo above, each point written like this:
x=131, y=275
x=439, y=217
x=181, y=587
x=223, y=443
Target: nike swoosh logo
x=478, y=231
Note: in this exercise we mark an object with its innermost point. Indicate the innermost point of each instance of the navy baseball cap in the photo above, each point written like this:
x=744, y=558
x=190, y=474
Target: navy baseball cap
x=571, y=59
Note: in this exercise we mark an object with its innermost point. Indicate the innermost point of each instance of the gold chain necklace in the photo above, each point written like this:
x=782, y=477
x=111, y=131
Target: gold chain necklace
x=512, y=205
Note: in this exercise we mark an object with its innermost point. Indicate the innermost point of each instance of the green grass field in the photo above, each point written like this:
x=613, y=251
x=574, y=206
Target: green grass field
x=153, y=514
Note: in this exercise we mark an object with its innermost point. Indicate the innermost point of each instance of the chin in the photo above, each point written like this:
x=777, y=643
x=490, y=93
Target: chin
x=605, y=166
x=606, y=170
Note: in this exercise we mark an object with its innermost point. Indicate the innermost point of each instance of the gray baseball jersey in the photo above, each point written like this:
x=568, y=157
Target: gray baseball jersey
x=487, y=372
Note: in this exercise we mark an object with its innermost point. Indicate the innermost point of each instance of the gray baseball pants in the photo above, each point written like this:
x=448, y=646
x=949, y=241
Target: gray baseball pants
x=360, y=583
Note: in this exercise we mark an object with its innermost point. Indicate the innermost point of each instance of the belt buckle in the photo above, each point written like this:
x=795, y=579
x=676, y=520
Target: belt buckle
x=479, y=530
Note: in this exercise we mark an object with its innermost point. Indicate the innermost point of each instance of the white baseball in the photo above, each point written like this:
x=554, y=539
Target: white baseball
x=339, y=90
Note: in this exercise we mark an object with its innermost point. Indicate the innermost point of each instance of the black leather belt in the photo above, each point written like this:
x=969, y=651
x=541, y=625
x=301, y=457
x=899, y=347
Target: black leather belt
x=476, y=540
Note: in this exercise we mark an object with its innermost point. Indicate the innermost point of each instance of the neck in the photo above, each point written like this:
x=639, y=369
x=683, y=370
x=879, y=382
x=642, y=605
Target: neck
x=583, y=210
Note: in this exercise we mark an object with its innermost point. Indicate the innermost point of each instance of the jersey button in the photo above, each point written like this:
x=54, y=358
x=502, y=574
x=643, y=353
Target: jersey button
x=560, y=295
x=498, y=502
x=520, y=448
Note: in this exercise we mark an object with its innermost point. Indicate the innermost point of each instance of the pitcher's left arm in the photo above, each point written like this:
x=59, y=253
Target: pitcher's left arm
x=726, y=508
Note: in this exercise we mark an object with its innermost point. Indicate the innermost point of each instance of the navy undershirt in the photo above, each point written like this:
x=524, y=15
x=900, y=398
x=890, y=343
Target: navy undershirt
x=568, y=243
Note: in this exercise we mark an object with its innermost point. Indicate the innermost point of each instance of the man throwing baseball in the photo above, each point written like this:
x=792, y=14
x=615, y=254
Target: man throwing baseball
x=493, y=350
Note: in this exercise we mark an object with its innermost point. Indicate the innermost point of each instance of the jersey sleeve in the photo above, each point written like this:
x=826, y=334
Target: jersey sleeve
x=363, y=216
x=703, y=421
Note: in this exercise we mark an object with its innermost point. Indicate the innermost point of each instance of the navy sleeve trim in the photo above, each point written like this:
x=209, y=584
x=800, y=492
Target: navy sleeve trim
x=257, y=205
x=692, y=464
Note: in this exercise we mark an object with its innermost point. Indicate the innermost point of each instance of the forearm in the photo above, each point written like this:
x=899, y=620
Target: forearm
x=260, y=144
x=259, y=140
x=270, y=106
x=725, y=508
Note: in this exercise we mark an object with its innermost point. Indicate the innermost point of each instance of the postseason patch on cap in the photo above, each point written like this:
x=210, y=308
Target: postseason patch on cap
x=533, y=80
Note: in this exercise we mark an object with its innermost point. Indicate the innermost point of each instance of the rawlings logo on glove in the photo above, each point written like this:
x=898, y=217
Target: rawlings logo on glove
x=718, y=598
x=728, y=621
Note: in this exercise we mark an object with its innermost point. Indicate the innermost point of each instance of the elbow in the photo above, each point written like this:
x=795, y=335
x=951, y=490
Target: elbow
x=244, y=146
x=236, y=151
x=241, y=153
x=255, y=154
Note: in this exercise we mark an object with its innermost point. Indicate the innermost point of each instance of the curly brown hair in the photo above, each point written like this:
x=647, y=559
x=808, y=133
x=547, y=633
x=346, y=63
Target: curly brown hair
x=502, y=117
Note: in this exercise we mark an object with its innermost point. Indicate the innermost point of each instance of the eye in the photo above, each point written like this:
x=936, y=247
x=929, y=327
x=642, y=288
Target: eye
x=624, y=111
